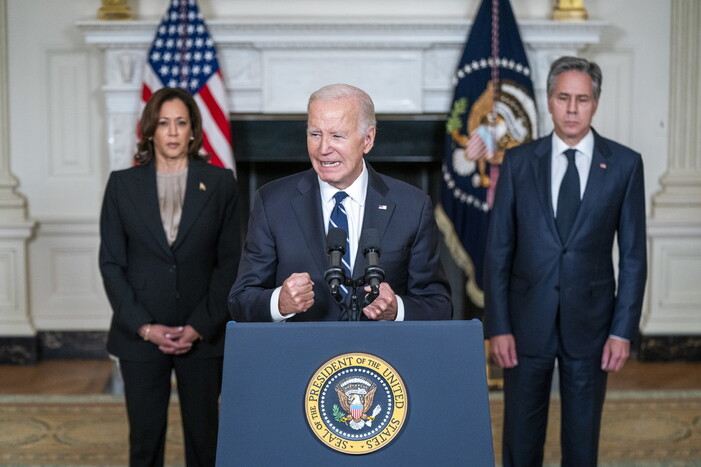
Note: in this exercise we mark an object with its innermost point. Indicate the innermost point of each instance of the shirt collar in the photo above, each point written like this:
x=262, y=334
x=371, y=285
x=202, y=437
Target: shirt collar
x=585, y=145
x=357, y=191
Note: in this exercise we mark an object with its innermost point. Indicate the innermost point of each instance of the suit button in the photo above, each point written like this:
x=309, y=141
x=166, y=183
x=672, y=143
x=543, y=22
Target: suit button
x=564, y=251
x=177, y=295
x=557, y=288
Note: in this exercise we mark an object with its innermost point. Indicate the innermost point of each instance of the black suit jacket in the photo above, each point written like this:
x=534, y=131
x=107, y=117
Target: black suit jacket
x=286, y=235
x=148, y=281
x=530, y=273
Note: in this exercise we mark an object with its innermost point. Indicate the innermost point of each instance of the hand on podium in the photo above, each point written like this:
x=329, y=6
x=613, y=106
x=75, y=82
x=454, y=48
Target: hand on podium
x=384, y=307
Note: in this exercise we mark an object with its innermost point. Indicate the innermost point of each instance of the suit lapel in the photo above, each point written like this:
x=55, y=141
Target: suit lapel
x=144, y=195
x=378, y=211
x=199, y=189
x=600, y=165
x=307, y=209
x=541, y=165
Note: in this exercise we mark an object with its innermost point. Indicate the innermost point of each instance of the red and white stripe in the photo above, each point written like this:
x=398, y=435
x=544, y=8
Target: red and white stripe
x=211, y=100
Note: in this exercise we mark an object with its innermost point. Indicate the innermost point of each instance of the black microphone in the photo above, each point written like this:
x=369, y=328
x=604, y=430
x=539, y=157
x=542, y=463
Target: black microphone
x=374, y=274
x=335, y=248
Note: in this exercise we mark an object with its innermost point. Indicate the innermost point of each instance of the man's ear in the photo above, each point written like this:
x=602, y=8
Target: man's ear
x=369, y=140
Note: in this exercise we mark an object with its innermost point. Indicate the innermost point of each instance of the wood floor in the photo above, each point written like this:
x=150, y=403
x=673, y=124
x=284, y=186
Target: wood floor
x=82, y=377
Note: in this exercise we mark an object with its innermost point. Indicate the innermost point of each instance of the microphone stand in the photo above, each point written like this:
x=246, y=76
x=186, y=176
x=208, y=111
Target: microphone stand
x=354, y=285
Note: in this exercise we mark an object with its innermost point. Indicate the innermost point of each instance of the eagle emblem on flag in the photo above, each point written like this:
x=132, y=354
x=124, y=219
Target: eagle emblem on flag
x=493, y=109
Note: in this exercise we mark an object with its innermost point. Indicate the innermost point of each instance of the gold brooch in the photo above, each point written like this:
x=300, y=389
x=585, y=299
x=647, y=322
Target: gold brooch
x=202, y=187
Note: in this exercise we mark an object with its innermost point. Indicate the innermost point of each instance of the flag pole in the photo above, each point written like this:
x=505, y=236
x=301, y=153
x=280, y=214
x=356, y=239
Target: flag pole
x=495, y=72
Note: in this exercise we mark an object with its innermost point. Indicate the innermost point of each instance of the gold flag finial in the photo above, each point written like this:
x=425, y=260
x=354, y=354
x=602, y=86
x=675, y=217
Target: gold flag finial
x=114, y=10
x=570, y=10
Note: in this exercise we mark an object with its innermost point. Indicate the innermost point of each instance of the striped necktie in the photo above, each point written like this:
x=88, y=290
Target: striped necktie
x=568, y=200
x=339, y=220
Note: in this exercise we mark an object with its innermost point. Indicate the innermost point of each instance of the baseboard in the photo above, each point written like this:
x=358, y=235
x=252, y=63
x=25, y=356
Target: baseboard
x=90, y=345
x=53, y=345
x=19, y=350
x=669, y=348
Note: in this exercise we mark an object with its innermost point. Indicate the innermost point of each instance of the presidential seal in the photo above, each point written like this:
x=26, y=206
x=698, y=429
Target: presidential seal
x=356, y=403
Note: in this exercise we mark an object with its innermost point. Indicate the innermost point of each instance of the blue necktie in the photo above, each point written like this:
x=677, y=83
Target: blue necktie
x=568, y=199
x=339, y=220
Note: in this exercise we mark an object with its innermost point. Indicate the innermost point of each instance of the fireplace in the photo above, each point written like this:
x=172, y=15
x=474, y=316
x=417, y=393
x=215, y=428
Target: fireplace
x=407, y=147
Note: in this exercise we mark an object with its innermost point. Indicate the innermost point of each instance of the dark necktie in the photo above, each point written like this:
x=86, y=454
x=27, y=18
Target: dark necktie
x=339, y=220
x=568, y=199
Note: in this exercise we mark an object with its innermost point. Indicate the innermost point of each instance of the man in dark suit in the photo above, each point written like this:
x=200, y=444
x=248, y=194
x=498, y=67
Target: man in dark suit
x=281, y=274
x=550, y=288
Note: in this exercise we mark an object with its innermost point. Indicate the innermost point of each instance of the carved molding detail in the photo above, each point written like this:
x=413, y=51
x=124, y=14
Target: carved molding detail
x=271, y=65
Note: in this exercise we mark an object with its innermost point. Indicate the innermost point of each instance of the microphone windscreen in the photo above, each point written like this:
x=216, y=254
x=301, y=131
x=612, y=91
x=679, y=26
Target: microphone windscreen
x=335, y=239
x=370, y=240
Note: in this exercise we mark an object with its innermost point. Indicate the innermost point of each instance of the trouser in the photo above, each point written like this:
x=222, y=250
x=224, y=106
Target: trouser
x=526, y=402
x=147, y=388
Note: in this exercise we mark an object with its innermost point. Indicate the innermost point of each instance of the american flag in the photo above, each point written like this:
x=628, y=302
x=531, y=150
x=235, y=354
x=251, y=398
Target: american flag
x=183, y=55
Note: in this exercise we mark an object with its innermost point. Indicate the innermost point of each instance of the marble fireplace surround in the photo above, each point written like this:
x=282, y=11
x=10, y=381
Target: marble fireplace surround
x=272, y=65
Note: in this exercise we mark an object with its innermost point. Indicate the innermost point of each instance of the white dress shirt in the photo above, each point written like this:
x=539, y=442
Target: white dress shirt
x=582, y=159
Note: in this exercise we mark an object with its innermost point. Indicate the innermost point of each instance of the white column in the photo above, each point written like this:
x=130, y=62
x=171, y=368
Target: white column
x=674, y=230
x=15, y=227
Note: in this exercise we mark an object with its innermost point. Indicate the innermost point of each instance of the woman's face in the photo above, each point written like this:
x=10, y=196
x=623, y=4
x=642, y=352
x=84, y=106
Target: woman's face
x=173, y=131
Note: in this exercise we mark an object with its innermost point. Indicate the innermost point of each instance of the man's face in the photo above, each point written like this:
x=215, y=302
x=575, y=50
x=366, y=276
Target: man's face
x=572, y=106
x=335, y=144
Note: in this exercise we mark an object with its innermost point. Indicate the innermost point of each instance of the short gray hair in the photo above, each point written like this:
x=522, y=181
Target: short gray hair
x=366, y=108
x=582, y=65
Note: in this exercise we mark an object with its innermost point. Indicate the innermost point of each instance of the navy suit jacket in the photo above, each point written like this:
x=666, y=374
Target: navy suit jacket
x=286, y=235
x=148, y=281
x=530, y=273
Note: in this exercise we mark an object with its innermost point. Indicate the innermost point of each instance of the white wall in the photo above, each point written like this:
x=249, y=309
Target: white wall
x=634, y=57
x=57, y=137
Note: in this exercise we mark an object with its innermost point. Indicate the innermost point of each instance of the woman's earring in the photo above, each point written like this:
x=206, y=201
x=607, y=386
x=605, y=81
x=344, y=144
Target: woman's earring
x=192, y=138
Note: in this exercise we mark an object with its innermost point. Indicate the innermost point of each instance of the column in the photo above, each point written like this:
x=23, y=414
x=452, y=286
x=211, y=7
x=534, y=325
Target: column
x=671, y=324
x=17, y=334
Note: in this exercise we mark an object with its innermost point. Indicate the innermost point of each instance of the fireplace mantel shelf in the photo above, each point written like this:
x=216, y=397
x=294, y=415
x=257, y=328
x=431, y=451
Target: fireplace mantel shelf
x=329, y=32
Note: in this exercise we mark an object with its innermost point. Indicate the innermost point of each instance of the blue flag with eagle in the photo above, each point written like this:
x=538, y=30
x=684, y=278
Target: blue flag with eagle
x=493, y=110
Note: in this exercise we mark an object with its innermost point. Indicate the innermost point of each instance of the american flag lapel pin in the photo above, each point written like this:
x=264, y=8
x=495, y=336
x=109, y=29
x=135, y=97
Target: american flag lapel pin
x=602, y=165
x=382, y=207
x=203, y=187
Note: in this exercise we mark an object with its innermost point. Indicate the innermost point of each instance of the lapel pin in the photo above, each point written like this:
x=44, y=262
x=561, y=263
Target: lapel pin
x=602, y=165
x=203, y=187
x=382, y=207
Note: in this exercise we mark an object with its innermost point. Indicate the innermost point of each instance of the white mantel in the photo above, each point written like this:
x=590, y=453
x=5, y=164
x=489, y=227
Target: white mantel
x=272, y=65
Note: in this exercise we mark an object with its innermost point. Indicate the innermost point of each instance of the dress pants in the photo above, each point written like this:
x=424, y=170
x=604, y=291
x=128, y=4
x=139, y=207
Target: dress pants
x=147, y=388
x=526, y=401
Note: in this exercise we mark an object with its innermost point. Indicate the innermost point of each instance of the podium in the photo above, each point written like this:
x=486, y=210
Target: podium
x=284, y=385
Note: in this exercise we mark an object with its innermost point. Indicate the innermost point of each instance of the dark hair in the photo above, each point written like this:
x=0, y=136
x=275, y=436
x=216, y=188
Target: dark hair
x=149, y=121
x=582, y=65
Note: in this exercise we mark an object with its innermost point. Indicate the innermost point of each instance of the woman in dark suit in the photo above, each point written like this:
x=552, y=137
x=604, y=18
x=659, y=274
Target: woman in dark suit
x=170, y=244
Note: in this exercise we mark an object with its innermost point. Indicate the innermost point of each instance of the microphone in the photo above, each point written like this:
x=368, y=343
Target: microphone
x=374, y=274
x=335, y=248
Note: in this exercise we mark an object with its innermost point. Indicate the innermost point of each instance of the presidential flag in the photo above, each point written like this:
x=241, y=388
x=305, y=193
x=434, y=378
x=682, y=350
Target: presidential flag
x=493, y=109
x=183, y=55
